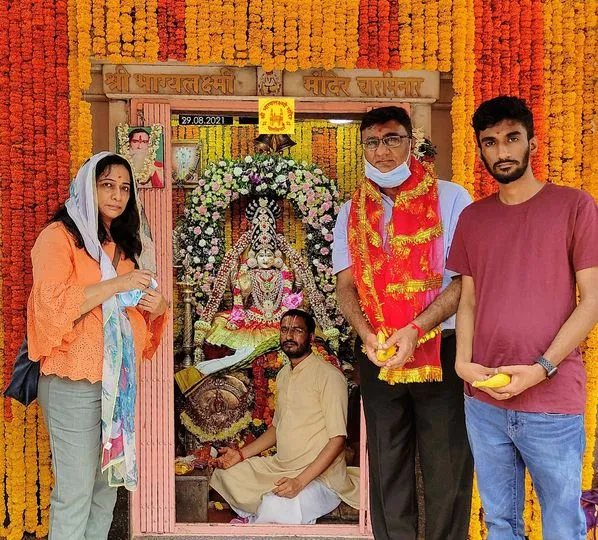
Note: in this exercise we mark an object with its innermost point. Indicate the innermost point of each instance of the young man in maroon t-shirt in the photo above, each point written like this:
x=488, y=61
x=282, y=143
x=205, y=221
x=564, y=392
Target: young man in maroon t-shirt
x=521, y=254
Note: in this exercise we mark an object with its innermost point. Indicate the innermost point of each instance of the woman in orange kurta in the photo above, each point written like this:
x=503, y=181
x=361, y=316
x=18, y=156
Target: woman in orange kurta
x=91, y=313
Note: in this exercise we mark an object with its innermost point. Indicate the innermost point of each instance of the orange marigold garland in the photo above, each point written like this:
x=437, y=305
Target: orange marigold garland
x=291, y=34
x=393, y=36
x=383, y=35
x=405, y=34
x=363, y=35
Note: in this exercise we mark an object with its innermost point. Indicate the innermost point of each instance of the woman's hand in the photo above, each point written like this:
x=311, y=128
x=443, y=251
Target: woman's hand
x=136, y=279
x=153, y=302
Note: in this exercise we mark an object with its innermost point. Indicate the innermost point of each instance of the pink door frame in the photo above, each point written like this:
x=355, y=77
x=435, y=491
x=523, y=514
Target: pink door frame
x=153, y=504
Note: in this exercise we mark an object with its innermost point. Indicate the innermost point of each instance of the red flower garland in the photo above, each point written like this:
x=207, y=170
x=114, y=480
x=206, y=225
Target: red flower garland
x=364, y=35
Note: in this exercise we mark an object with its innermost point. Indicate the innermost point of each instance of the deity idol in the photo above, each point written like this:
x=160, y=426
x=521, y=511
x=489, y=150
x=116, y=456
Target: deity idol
x=263, y=286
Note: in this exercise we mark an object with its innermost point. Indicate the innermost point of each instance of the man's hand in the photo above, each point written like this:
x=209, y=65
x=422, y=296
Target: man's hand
x=470, y=372
x=522, y=378
x=371, y=345
x=288, y=487
x=405, y=340
x=227, y=459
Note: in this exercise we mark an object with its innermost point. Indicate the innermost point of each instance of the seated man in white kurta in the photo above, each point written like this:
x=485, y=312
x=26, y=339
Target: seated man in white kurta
x=307, y=477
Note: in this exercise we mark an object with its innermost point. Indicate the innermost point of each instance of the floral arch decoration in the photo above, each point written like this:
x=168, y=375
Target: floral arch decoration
x=199, y=236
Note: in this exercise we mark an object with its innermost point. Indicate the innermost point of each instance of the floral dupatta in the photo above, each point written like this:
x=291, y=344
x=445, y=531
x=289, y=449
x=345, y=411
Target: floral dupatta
x=119, y=383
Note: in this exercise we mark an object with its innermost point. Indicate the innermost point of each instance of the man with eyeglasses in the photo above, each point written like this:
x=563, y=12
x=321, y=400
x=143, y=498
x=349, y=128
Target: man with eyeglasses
x=391, y=241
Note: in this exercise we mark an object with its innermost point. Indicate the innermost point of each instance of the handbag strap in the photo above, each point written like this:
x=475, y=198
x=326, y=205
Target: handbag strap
x=116, y=258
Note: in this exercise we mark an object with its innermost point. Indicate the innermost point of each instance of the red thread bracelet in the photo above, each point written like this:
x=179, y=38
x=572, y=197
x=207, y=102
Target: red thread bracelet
x=420, y=332
x=240, y=454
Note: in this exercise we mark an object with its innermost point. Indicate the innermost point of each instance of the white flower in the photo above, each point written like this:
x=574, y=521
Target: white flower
x=189, y=249
x=196, y=260
x=202, y=243
x=211, y=259
x=237, y=171
x=209, y=231
x=248, y=159
x=281, y=178
x=291, y=162
x=222, y=163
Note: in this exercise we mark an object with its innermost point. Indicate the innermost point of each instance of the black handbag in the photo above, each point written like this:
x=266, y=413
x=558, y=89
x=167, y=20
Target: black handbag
x=25, y=372
x=25, y=376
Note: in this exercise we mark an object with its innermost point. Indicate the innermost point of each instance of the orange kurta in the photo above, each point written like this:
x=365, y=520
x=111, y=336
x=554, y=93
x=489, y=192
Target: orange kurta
x=67, y=347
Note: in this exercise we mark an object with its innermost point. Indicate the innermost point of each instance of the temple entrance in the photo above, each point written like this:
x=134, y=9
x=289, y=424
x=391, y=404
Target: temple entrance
x=235, y=406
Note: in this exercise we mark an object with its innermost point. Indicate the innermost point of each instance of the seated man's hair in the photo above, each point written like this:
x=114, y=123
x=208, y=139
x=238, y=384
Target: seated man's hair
x=307, y=318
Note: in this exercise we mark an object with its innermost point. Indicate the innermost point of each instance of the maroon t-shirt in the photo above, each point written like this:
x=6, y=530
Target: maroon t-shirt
x=523, y=260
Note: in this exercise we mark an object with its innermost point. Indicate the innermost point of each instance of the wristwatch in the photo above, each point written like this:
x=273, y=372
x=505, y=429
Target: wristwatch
x=550, y=369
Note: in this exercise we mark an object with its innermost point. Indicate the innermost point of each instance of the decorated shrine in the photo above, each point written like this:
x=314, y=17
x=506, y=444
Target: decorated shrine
x=242, y=219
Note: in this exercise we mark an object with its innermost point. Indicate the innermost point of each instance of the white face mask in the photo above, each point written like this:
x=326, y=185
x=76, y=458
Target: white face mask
x=390, y=179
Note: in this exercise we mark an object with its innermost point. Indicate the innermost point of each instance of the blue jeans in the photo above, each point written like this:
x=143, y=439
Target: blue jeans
x=504, y=443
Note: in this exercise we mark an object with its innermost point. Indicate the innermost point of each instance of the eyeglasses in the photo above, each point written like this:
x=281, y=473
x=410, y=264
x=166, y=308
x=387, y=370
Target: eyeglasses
x=392, y=141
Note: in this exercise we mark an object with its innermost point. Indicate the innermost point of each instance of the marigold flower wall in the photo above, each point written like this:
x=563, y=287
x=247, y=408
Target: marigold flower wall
x=542, y=50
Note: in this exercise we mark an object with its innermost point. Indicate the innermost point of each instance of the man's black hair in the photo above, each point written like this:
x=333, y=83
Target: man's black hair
x=501, y=108
x=382, y=115
x=307, y=318
x=137, y=130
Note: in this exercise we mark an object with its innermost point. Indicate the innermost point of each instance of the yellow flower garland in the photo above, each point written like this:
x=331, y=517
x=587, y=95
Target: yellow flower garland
x=113, y=31
x=192, y=27
x=152, y=44
x=255, y=30
x=99, y=30
x=405, y=34
x=417, y=32
x=139, y=30
x=431, y=35
x=444, y=34
x=328, y=34
x=126, y=26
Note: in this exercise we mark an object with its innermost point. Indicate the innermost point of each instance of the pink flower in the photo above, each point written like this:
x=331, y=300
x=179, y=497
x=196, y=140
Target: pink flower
x=328, y=237
x=326, y=219
x=294, y=188
x=306, y=186
x=228, y=178
x=227, y=192
x=293, y=300
x=201, y=182
x=237, y=314
x=202, y=210
x=326, y=206
x=324, y=251
x=214, y=250
x=215, y=186
x=216, y=215
x=209, y=267
x=205, y=287
x=291, y=176
x=311, y=199
x=197, y=231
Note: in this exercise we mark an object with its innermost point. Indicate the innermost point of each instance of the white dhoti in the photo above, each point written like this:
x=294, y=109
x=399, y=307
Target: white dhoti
x=312, y=502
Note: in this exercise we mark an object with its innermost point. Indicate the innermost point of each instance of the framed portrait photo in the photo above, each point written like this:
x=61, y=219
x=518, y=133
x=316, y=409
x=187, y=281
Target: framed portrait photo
x=143, y=147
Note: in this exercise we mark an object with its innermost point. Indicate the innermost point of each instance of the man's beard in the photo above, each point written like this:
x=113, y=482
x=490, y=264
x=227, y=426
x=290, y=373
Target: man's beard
x=138, y=158
x=298, y=351
x=512, y=176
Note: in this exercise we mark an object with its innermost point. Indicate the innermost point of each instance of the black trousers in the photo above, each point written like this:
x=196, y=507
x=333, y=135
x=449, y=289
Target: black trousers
x=429, y=417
